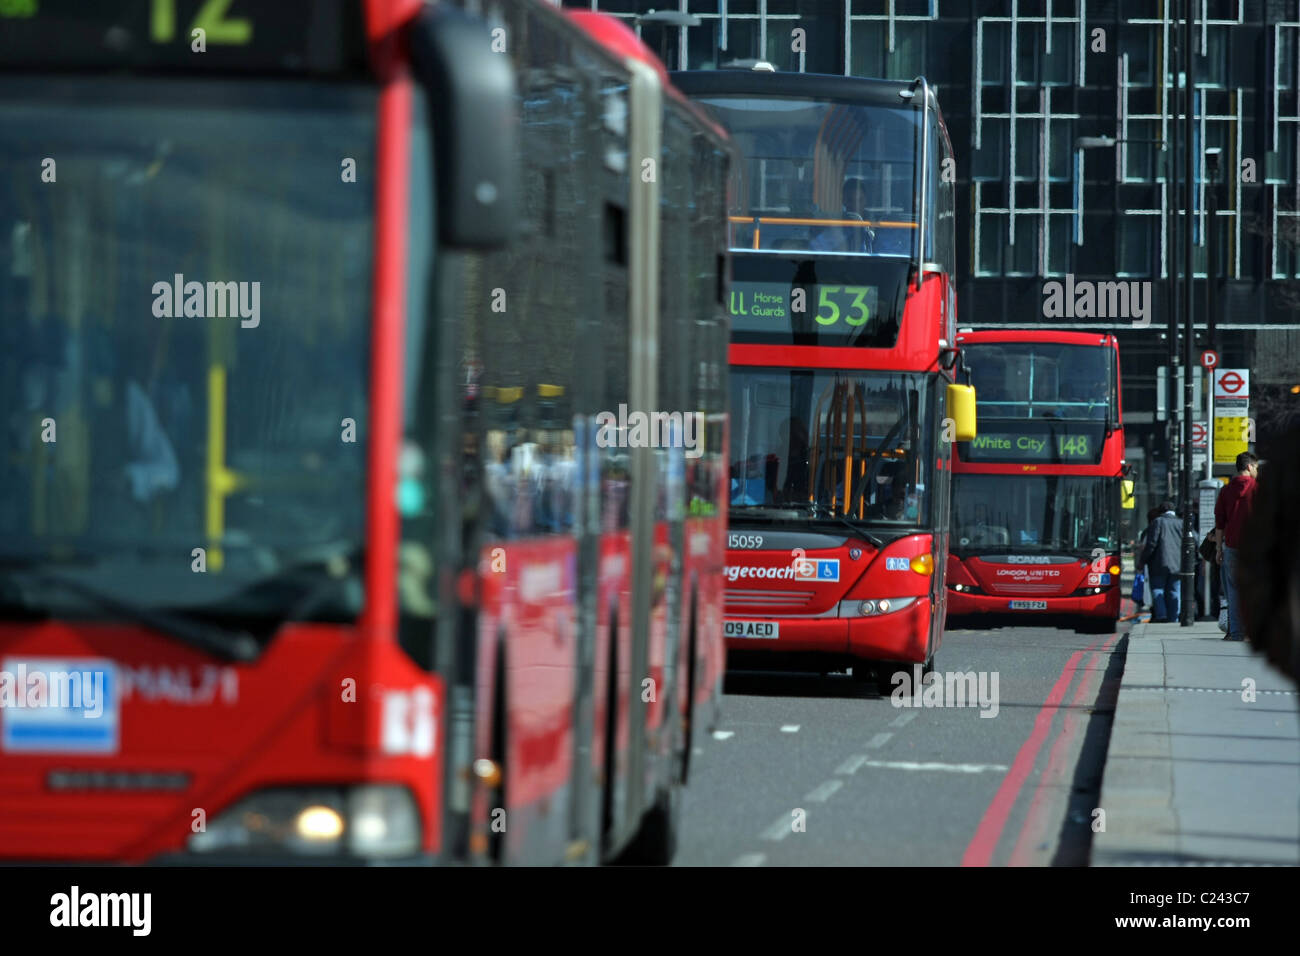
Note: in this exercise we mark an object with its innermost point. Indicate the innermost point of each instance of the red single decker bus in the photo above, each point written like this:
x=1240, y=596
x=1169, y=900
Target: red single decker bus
x=843, y=318
x=308, y=550
x=1036, y=496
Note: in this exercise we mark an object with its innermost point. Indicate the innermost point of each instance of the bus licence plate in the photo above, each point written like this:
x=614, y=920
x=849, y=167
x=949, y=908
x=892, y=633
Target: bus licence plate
x=763, y=630
x=1029, y=605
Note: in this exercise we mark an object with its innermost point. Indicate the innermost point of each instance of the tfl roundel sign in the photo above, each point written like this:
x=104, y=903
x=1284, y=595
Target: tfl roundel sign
x=1232, y=383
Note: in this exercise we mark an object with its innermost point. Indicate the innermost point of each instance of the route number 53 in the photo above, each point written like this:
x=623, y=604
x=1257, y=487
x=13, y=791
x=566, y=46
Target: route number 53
x=830, y=297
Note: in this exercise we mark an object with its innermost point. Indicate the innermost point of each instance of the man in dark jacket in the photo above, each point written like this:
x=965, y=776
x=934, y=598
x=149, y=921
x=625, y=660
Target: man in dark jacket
x=1270, y=559
x=1230, y=513
x=1162, y=555
x=1138, y=552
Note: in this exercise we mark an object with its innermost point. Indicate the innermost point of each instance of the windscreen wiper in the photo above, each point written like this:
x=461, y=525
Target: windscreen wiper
x=858, y=531
x=238, y=646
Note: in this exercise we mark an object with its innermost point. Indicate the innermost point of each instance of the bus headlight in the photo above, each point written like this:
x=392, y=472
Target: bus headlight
x=377, y=820
x=319, y=824
x=874, y=608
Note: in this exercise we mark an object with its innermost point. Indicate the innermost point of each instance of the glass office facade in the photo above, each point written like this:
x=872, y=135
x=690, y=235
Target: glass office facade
x=1020, y=81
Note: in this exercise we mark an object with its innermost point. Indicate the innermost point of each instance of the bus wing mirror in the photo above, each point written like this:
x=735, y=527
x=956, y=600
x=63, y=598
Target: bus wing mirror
x=961, y=409
x=1126, y=496
x=474, y=116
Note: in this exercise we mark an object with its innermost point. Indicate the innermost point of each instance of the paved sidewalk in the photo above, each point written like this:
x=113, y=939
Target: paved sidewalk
x=1196, y=774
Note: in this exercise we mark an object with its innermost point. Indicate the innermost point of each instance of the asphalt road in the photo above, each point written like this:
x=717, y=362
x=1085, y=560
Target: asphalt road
x=811, y=770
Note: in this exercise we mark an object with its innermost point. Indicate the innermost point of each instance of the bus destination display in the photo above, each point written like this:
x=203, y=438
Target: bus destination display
x=777, y=307
x=1072, y=444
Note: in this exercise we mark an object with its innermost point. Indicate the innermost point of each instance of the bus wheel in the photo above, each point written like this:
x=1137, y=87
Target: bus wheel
x=611, y=738
x=688, y=717
x=655, y=843
x=884, y=673
x=1093, y=625
x=500, y=724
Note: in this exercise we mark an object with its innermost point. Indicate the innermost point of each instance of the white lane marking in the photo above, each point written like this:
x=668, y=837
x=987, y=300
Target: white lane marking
x=789, y=728
x=723, y=734
x=950, y=767
x=823, y=793
x=779, y=830
x=878, y=741
x=903, y=719
x=750, y=859
x=851, y=765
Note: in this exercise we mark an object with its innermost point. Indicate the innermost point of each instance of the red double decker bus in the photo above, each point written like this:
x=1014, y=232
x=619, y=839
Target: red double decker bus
x=307, y=550
x=843, y=311
x=1037, y=495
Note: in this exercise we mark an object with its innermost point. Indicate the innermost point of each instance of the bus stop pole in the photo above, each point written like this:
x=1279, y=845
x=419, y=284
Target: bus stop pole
x=1188, y=573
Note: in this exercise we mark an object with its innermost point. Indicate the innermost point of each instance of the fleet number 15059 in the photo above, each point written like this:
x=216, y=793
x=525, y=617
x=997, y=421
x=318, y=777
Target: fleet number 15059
x=744, y=540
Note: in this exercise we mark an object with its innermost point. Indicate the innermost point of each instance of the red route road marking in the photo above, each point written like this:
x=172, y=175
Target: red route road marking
x=1028, y=833
x=985, y=841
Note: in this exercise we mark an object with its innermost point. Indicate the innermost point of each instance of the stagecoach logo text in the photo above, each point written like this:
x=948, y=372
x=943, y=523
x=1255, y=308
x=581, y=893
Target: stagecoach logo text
x=810, y=569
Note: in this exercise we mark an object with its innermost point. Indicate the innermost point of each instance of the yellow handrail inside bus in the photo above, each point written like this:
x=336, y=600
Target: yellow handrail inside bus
x=757, y=222
x=221, y=482
x=787, y=221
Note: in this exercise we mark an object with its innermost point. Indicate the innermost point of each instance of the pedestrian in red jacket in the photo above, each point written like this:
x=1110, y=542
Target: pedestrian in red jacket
x=1230, y=513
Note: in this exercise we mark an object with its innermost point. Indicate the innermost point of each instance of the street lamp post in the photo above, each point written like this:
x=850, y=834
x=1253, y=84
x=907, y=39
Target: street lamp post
x=1211, y=245
x=1188, y=572
x=1171, y=271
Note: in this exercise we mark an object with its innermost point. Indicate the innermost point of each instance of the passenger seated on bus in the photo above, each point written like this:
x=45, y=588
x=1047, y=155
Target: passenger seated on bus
x=888, y=240
x=980, y=533
x=892, y=241
x=1089, y=384
x=132, y=458
x=848, y=238
x=891, y=491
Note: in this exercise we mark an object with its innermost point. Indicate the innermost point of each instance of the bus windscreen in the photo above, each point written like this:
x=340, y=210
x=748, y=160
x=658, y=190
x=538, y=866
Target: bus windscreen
x=822, y=176
x=1037, y=514
x=1041, y=380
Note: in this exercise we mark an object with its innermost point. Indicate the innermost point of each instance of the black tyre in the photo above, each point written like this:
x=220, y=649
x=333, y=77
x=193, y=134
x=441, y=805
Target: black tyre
x=655, y=843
